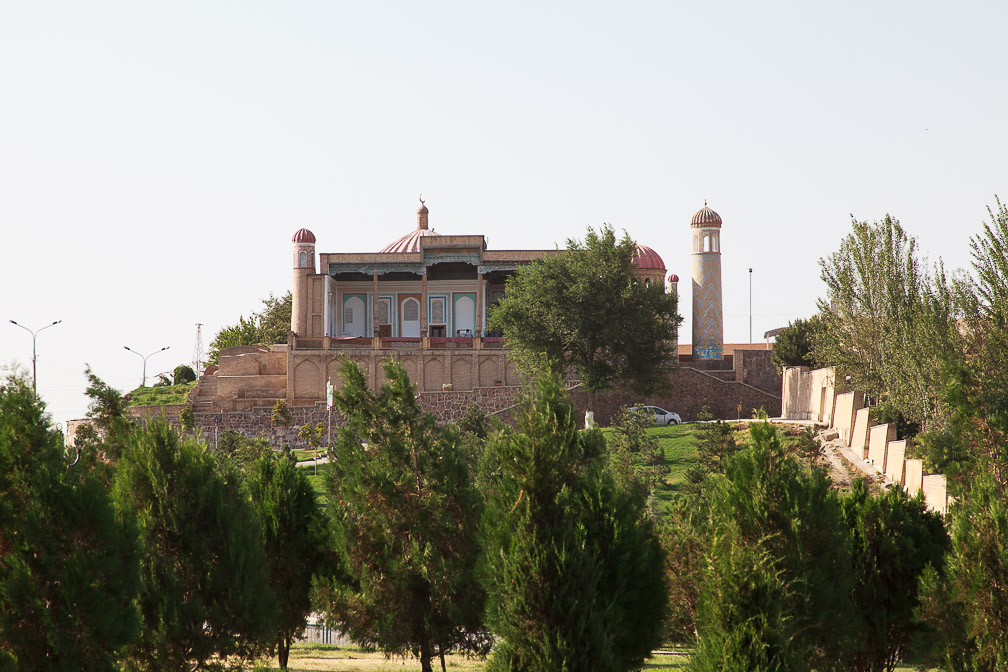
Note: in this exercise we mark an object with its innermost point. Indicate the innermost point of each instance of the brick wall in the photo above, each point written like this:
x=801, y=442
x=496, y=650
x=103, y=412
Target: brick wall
x=691, y=391
x=255, y=422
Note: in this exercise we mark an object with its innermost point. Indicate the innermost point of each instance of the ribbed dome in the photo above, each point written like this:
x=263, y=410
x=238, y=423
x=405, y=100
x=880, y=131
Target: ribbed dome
x=410, y=242
x=646, y=258
x=673, y=278
x=303, y=236
x=706, y=217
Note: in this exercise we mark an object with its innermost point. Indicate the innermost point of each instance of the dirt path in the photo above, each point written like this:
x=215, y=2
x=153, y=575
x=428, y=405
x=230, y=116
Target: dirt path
x=840, y=471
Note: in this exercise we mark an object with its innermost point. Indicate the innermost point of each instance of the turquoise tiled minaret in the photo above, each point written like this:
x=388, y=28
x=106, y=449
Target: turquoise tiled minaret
x=708, y=321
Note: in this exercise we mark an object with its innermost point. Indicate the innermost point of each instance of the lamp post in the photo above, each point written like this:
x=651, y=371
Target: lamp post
x=750, y=304
x=144, y=357
x=34, y=334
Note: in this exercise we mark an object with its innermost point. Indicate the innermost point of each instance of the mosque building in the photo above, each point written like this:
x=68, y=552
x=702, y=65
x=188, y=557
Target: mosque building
x=423, y=301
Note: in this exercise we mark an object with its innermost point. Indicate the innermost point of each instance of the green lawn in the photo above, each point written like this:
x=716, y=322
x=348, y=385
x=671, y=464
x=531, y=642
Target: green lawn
x=331, y=658
x=160, y=396
x=318, y=483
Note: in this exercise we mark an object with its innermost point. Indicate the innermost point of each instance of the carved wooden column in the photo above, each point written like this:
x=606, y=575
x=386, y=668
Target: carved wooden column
x=480, y=289
x=423, y=304
x=374, y=308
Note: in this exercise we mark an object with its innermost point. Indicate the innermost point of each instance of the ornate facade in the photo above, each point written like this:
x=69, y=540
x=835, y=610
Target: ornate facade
x=422, y=300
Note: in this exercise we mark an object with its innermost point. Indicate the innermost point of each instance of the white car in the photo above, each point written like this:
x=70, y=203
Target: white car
x=661, y=416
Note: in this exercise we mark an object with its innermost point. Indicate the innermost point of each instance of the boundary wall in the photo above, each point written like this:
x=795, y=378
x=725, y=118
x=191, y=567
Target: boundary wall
x=812, y=395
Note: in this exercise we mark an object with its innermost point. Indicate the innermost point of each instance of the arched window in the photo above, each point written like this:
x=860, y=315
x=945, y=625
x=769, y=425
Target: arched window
x=715, y=243
x=706, y=244
x=302, y=259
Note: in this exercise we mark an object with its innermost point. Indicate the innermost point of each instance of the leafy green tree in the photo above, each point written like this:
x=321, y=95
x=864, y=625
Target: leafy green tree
x=977, y=385
x=69, y=570
x=107, y=412
x=573, y=564
x=281, y=415
x=715, y=442
x=205, y=593
x=745, y=616
x=794, y=345
x=685, y=536
x=268, y=326
x=968, y=601
x=240, y=450
x=187, y=419
x=893, y=538
x=183, y=374
x=583, y=310
x=405, y=514
x=889, y=324
x=294, y=537
x=312, y=435
x=777, y=529
x=635, y=456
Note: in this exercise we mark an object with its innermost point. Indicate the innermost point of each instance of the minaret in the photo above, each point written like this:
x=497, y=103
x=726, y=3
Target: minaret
x=708, y=321
x=304, y=266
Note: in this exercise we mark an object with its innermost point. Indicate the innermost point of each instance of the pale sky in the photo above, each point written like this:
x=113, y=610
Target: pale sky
x=155, y=159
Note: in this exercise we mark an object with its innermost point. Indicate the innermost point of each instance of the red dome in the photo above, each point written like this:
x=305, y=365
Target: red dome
x=408, y=243
x=303, y=236
x=646, y=258
x=673, y=278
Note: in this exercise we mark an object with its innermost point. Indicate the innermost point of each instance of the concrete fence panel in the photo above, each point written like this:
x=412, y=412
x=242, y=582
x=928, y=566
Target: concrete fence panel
x=859, y=437
x=914, y=476
x=936, y=493
x=879, y=437
x=844, y=413
x=895, y=457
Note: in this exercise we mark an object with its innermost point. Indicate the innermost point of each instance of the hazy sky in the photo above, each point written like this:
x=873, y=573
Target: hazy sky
x=155, y=159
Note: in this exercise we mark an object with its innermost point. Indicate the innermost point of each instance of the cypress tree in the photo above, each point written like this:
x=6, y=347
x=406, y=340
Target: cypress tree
x=294, y=537
x=204, y=593
x=69, y=569
x=573, y=565
x=405, y=514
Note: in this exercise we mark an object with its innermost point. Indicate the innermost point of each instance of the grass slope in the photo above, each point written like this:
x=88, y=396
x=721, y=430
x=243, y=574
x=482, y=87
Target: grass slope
x=160, y=396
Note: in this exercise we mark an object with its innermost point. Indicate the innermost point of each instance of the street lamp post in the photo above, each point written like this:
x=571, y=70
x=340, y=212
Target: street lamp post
x=750, y=304
x=34, y=334
x=144, y=357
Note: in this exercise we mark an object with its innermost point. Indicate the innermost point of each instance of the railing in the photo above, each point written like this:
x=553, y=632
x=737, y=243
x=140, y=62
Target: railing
x=346, y=342
x=449, y=342
x=308, y=344
x=401, y=342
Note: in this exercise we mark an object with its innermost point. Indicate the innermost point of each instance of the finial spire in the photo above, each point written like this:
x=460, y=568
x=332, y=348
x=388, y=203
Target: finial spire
x=422, y=214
